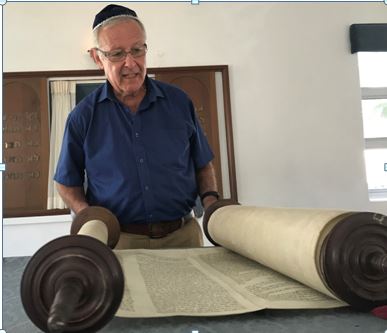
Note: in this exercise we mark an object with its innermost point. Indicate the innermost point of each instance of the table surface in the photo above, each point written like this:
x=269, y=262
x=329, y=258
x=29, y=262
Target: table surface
x=342, y=320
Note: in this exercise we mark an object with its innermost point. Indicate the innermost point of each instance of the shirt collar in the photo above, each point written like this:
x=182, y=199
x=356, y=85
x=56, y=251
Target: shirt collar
x=152, y=91
x=106, y=92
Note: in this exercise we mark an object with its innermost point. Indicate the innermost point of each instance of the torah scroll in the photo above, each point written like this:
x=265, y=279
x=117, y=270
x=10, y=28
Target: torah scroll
x=270, y=258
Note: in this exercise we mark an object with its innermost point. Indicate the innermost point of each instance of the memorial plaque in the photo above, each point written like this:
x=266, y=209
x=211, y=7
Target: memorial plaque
x=25, y=146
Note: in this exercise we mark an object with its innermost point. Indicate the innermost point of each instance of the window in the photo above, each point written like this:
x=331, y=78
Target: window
x=373, y=82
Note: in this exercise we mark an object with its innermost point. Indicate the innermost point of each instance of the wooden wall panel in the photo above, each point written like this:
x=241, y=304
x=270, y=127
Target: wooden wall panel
x=25, y=146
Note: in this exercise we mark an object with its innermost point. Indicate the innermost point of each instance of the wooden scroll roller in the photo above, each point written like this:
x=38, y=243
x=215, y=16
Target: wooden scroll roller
x=75, y=283
x=341, y=254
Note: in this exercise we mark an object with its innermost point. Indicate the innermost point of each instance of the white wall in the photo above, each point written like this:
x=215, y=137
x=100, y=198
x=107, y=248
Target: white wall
x=294, y=83
x=24, y=236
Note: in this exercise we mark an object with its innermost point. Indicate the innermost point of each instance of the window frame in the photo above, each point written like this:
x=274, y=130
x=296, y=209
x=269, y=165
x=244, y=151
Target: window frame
x=373, y=93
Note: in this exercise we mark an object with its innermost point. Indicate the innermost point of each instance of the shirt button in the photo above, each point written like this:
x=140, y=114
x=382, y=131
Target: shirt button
x=141, y=160
x=137, y=135
x=146, y=188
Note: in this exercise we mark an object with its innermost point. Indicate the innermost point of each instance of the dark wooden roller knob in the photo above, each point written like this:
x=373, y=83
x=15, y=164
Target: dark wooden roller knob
x=355, y=260
x=67, y=297
x=72, y=284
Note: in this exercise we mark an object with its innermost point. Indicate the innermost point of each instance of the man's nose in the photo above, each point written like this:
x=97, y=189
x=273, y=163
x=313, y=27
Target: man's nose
x=129, y=60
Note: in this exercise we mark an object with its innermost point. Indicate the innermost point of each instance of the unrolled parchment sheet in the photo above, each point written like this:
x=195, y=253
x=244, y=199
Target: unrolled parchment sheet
x=207, y=282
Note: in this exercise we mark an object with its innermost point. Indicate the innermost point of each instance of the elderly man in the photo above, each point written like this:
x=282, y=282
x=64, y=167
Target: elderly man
x=137, y=144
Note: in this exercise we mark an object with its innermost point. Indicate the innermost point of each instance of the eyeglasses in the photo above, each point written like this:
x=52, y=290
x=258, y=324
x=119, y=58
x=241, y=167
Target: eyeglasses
x=120, y=55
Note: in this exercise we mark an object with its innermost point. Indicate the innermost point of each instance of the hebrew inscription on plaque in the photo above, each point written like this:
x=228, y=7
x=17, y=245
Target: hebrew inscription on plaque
x=25, y=142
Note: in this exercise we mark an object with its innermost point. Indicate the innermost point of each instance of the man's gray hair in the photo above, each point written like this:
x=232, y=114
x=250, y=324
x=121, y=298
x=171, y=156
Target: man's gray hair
x=114, y=20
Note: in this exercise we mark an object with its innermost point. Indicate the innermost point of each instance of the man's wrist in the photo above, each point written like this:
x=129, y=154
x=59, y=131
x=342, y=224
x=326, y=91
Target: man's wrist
x=80, y=206
x=208, y=201
x=212, y=194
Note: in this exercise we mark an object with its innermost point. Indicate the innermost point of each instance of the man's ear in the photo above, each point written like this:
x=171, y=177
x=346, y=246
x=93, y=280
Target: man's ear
x=95, y=56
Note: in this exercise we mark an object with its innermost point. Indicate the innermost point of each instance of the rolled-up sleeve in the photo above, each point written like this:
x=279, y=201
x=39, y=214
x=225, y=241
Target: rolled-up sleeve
x=71, y=163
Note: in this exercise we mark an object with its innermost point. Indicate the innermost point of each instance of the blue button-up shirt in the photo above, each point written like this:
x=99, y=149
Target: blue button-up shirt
x=142, y=166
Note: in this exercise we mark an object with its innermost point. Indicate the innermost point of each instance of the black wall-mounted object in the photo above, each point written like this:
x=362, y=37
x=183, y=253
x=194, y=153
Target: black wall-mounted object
x=371, y=37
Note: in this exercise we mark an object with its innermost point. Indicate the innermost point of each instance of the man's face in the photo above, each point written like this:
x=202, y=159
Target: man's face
x=126, y=76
